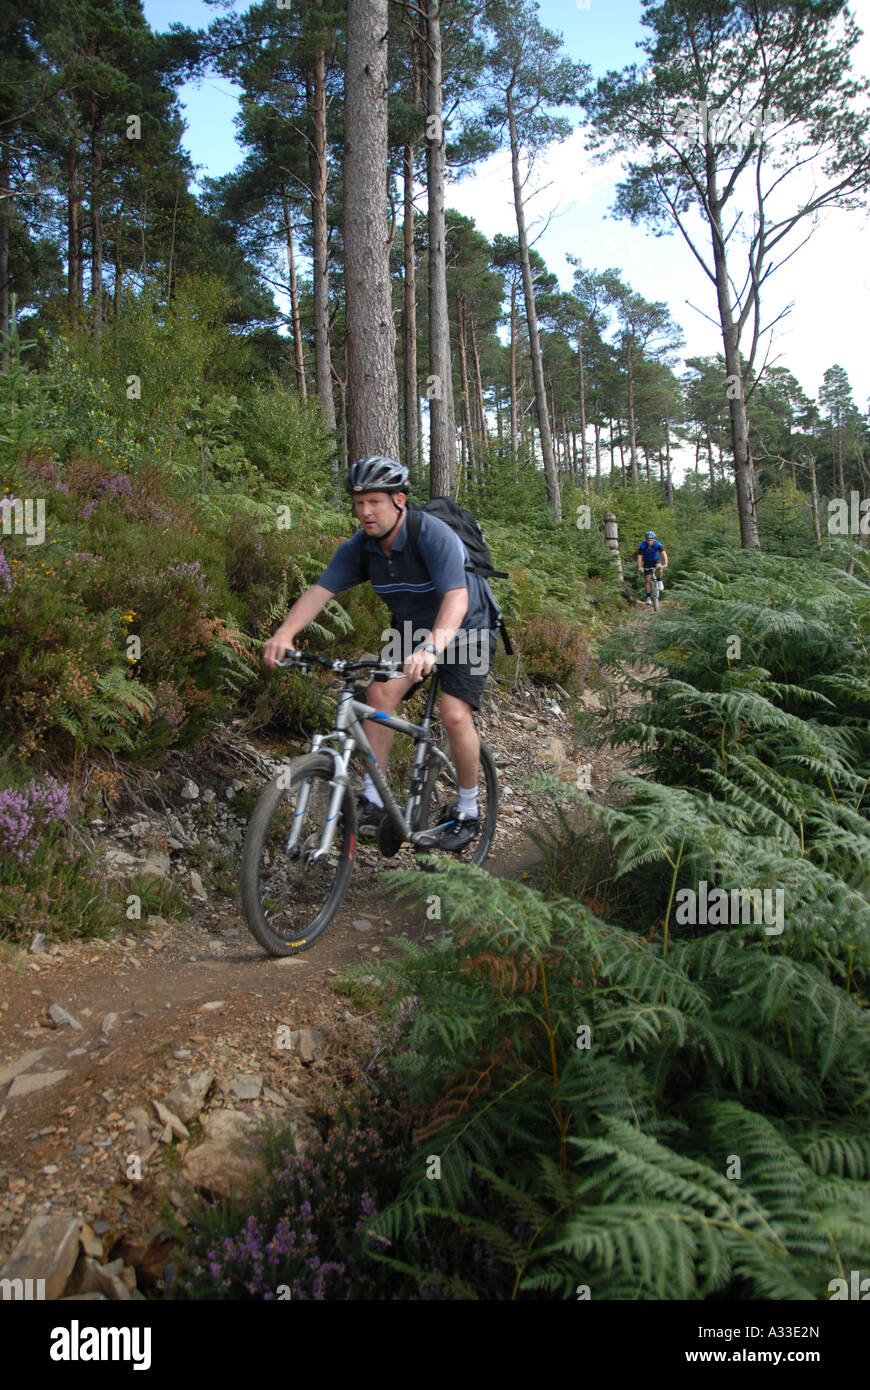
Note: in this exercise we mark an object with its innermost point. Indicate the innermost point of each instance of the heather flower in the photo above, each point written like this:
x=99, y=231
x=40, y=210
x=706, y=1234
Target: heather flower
x=119, y=485
x=5, y=572
x=189, y=569
x=24, y=814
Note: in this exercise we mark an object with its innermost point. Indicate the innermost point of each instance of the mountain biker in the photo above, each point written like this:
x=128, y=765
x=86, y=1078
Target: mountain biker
x=426, y=586
x=651, y=557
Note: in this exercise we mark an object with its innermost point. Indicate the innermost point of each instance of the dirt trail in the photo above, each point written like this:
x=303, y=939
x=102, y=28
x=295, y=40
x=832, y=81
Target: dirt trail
x=175, y=999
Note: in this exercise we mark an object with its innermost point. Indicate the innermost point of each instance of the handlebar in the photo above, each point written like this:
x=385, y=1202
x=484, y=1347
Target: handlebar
x=392, y=670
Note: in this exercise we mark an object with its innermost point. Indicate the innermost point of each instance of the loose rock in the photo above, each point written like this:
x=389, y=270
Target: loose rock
x=39, y=1081
x=47, y=1250
x=12, y=1069
x=223, y=1164
x=307, y=1043
x=156, y=865
x=172, y=1122
x=61, y=1019
x=245, y=1087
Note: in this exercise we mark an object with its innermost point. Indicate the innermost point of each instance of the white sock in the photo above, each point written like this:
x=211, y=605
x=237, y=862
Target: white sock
x=370, y=791
x=467, y=801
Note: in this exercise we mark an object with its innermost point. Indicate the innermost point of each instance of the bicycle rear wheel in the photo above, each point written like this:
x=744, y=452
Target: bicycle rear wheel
x=288, y=900
x=440, y=794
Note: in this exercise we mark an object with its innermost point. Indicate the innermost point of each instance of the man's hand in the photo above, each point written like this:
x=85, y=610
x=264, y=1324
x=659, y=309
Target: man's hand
x=274, y=649
x=419, y=664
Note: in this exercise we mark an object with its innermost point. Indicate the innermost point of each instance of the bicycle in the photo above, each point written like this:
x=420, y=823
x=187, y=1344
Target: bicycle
x=654, y=571
x=301, y=841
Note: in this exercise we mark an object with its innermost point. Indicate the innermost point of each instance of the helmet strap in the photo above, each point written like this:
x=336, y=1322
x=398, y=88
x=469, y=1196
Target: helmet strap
x=401, y=510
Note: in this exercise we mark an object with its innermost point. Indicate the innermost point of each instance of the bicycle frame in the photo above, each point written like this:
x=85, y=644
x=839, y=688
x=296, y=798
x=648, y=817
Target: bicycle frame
x=350, y=737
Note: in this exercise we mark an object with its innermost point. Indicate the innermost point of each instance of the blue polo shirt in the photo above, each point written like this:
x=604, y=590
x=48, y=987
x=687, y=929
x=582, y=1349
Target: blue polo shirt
x=412, y=579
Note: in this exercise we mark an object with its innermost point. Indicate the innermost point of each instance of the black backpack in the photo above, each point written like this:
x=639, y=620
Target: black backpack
x=467, y=528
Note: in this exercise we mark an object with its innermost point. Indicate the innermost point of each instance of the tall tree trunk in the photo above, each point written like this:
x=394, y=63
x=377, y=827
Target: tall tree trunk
x=596, y=430
x=442, y=419
x=342, y=397
x=632, y=427
x=373, y=404
x=515, y=434
x=551, y=421
x=410, y=392
x=73, y=249
x=118, y=285
x=294, y=300
x=743, y=471
x=583, y=464
x=143, y=208
x=172, y=274
x=96, y=220
x=479, y=410
x=814, y=503
x=669, y=478
x=409, y=317
x=551, y=475
x=465, y=411
x=5, y=219
x=317, y=172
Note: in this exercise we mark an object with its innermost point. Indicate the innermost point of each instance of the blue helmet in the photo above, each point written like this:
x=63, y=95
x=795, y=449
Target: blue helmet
x=650, y=536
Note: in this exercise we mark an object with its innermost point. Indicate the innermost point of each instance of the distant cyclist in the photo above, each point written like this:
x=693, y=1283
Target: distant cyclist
x=651, y=559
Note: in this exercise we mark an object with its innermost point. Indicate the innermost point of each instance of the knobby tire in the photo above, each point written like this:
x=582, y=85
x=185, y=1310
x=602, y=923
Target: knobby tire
x=289, y=905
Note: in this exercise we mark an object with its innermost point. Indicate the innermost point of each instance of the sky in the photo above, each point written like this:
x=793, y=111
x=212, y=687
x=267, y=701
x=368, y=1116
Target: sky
x=828, y=282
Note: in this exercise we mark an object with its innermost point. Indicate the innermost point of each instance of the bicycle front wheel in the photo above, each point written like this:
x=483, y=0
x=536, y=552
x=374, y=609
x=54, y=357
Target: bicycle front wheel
x=654, y=592
x=289, y=899
x=440, y=795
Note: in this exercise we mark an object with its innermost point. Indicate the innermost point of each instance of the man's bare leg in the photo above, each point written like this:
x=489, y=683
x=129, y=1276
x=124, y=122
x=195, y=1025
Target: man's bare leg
x=464, y=741
x=384, y=695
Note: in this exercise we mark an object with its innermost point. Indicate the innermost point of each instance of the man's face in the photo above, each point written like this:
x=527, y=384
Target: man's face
x=375, y=511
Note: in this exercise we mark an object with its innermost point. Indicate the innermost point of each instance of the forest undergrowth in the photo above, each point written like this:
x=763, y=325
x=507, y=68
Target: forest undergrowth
x=586, y=1093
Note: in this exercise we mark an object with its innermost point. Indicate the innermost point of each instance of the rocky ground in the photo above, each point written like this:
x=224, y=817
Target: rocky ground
x=133, y=1070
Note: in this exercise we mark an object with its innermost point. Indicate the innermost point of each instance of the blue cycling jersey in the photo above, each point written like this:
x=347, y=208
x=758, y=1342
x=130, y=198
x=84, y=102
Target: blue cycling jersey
x=649, y=552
